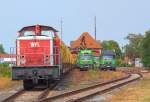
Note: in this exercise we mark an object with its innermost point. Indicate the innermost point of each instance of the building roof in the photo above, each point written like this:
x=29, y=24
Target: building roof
x=90, y=42
x=7, y=55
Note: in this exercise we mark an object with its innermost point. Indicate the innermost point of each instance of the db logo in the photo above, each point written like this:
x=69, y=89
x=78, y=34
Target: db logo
x=34, y=44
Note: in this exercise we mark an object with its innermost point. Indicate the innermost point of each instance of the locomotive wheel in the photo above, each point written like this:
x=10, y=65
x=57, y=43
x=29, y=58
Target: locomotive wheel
x=43, y=83
x=113, y=69
x=105, y=69
x=49, y=81
x=28, y=84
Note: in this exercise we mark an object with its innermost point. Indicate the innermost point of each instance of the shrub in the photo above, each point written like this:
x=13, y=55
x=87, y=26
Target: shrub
x=5, y=70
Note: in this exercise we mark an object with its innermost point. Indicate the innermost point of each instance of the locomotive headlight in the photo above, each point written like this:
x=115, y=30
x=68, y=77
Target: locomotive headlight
x=22, y=60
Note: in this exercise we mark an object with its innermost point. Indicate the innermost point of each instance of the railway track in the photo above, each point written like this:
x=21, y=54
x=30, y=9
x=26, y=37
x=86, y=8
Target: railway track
x=72, y=96
x=81, y=94
x=29, y=95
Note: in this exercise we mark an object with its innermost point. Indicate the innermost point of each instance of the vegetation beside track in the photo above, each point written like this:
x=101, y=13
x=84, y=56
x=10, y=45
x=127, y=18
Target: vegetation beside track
x=6, y=82
x=5, y=76
x=138, y=92
x=5, y=70
x=80, y=78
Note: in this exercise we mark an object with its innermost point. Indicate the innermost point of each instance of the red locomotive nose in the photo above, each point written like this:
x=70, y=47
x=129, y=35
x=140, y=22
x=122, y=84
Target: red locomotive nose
x=37, y=30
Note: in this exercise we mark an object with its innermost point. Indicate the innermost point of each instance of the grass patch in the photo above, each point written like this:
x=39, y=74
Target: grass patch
x=84, y=78
x=5, y=70
x=6, y=82
x=71, y=84
x=5, y=77
x=147, y=99
x=94, y=73
x=134, y=93
x=109, y=75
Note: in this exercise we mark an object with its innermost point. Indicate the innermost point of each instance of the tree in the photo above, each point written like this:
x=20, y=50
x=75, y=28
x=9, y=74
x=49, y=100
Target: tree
x=146, y=49
x=134, y=48
x=2, y=51
x=112, y=45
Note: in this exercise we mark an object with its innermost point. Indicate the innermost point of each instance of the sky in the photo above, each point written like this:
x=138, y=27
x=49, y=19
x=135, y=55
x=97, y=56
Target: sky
x=115, y=18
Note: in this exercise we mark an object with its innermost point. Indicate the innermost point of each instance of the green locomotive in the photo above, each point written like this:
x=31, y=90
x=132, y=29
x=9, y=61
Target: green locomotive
x=108, y=61
x=85, y=59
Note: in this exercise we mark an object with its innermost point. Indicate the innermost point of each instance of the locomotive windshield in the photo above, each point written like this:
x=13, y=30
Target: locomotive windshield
x=86, y=57
x=47, y=33
x=96, y=58
x=28, y=33
x=32, y=33
x=37, y=30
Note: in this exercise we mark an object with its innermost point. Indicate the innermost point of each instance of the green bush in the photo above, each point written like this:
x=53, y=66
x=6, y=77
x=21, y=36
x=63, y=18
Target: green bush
x=5, y=70
x=118, y=62
x=125, y=65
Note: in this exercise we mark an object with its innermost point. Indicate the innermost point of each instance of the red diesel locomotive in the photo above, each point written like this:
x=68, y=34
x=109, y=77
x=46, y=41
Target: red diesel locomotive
x=38, y=56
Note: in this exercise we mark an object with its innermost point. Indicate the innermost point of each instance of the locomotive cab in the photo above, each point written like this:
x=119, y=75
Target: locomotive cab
x=37, y=55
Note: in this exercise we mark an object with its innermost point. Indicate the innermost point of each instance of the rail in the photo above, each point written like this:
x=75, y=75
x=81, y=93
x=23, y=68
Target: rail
x=77, y=95
x=40, y=96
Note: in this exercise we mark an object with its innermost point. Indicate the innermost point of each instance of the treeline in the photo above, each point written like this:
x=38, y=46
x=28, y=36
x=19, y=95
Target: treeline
x=138, y=47
x=5, y=70
x=145, y=52
x=2, y=51
x=135, y=47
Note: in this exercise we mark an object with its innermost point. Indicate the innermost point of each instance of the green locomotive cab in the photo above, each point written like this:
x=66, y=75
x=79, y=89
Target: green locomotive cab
x=108, y=61
x=85, y=59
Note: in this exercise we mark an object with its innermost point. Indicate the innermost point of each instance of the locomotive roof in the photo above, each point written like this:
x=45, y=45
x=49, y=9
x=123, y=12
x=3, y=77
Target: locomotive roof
x=32, y=28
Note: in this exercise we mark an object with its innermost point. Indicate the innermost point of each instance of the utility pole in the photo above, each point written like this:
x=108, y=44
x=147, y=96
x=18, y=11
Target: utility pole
x=61, y=24
x=95, y=26
x=61, y=32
